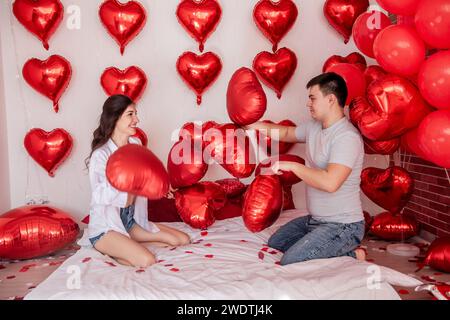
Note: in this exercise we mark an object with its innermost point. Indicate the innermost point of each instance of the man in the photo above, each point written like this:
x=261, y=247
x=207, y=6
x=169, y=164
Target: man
x=334, y=160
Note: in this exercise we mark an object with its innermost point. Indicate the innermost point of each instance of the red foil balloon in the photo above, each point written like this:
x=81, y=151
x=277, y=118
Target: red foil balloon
x=393, y=106
x=433, y=138
x=389, y=188
x=275, y=19
x=275, y=69
x=434, y=80
x=394, y=227
x=342, y=14
x=366, y=28
x=40, y=17
x=287, y=177
x=123, y=21
x=438, y=254
x=141, y=135
x=262, y=202
x=354, y=78
x=130, y=82
x=232, y=209
x=48, y=149
x=432, y=21
x=353, y=58
x=199, y=71
x=386, y=147
x=198, y=204
x=49, y=77
x=373, y=73
x=288, y=200
x=400, y=7
x=199, y=18
x=230, y=147
x=196, y=132
x=185, y=165
x=399, y=50
x=33, y=231
x=283, y=147
x=246, y=100
x=136, y=170
x=368, y=219
x=163, y=210
x=232, y=187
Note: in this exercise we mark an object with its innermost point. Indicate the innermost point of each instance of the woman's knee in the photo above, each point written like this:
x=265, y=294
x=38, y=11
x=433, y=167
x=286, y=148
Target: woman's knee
x=143, y=261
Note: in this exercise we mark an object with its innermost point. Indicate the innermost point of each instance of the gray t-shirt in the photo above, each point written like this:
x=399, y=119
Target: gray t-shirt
x=341, y=144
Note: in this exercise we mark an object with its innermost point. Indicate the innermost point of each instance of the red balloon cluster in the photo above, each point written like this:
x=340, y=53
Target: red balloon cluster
x=48, y=149
x=130, y=82
x=32, y=231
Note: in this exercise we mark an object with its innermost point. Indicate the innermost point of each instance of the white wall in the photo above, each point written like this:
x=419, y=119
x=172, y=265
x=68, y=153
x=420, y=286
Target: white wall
x=166, y=105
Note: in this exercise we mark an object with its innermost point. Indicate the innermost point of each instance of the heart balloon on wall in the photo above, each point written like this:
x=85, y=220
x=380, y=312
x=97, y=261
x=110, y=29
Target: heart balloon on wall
x=123, y=21
x=40, y=17
x=136, y=170
x=33, y=231
x=262, y=202
x=50, y=77
x=275, y=19
x=199, y=71
x=130, y=82
x=342, y=14
x=48, y=149
x=275, y=69
x=199, y=18
x=354, y=58
x=389, y=188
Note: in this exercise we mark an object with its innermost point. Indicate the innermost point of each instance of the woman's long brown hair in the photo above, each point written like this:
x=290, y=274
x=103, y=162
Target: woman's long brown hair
x=113, y=108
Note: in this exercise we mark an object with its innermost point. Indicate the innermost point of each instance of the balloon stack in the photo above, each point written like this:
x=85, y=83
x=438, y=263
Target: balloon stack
x=275, y=19
x=200, y=19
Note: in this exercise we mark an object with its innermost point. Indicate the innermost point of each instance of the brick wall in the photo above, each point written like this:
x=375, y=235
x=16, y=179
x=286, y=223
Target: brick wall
x=430, y=201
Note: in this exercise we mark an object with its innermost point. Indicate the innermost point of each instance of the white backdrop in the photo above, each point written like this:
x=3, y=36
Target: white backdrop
x=167, y=103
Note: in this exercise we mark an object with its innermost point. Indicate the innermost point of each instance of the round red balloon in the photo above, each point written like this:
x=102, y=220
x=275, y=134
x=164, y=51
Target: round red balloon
x=434, y=80
x=130, y=82
x=48, y=149
x=33, y=231
x=40, y=17
x=432, y=21
x=366, y=28
x=400, y=7
x=399, y=50
x=123, y=21
x=354, y=78
x=50, y=77
x=199, y=71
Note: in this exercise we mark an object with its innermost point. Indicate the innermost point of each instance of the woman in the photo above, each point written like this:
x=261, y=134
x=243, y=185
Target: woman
x=118, y=223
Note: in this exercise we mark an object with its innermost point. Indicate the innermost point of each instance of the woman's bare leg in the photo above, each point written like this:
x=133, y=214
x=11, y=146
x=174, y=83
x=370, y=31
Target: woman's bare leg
x=125, y=250
x=166, y=236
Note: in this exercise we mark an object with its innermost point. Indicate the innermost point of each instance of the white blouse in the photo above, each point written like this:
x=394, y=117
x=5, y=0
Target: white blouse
x=106, y=201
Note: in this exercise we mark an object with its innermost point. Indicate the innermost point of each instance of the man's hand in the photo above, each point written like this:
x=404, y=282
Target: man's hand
x=280, y=166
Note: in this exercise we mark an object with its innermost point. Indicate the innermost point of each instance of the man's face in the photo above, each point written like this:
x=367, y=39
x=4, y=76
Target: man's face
x=318, y=104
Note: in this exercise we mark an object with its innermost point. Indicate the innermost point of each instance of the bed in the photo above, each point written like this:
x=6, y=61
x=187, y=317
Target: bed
x=224, y=262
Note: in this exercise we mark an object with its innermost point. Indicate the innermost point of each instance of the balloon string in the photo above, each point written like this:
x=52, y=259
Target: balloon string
x=448, y=176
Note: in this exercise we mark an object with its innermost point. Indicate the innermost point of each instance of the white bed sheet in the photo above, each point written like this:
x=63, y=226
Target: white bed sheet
x=226, y=262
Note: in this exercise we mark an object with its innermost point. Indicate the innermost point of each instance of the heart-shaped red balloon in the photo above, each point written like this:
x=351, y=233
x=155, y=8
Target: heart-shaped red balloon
x=385, y=147
x=262, y=202
x=198, y=204
x=374, y=73
x=123, y=21
x=394, y=227
x=48, y=149
x=230, y=147
x=287, y=177
x=275, y=19
x=246, y=99
x=196, y=131
x=199, y=18
x=49, y=77
x=141, y=135
x=232, y=187
x=136, y=170
x=393, y=106
x=33, y=231
x=389, y=188
x=342, y=14
x=199, y=71
x=438, y=254
x=130, y=82
x=275, y=69
x=265, y=141
x=355, y=58
x=185, y=165
x=40, y=17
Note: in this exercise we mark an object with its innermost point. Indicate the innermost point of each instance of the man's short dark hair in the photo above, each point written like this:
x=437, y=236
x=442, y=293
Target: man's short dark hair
x=331, y=83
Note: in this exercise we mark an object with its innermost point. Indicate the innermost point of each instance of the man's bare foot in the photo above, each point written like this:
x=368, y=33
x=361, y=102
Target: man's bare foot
x=360, y=254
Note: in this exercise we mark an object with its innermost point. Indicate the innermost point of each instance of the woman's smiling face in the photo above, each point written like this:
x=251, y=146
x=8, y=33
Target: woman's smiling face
x=128, y=121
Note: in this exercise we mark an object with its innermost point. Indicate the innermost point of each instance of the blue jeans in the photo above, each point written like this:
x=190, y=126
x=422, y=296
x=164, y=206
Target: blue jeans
x=127, y=217
x=305, y=239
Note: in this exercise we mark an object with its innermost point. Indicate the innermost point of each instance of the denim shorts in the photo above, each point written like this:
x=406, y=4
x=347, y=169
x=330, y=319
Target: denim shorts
x=127, y=217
